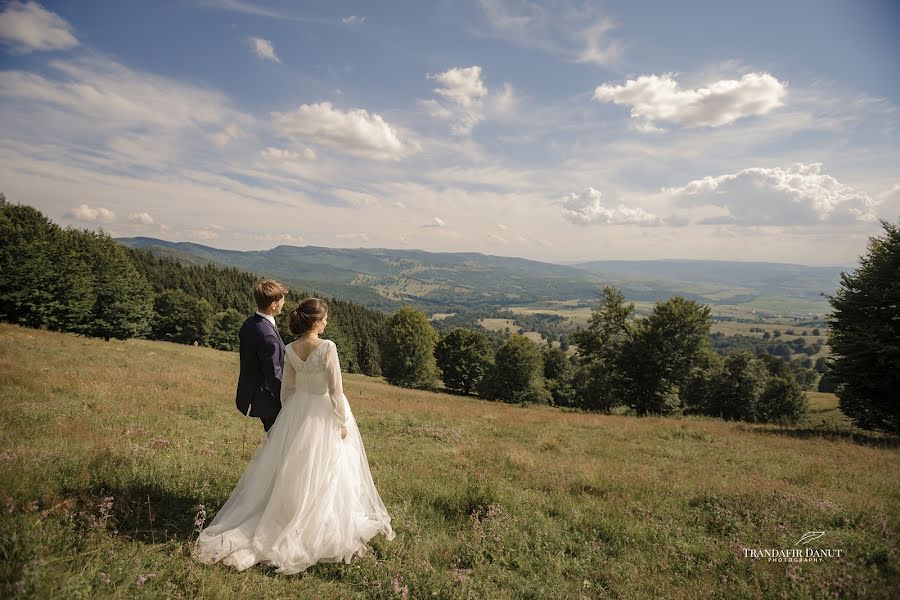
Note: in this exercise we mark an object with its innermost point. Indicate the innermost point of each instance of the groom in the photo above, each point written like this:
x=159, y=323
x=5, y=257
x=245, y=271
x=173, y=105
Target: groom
x=262, y=356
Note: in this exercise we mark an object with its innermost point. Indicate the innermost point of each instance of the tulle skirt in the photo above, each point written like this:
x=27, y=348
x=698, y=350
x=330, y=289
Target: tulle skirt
x=307, y=496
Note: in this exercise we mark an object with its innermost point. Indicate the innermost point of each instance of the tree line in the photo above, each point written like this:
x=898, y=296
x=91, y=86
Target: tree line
x=661, y=365
x=84, y=282
x=666, y=363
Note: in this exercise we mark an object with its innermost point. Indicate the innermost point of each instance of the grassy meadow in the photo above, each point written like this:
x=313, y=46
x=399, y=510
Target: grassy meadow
x=107, y=449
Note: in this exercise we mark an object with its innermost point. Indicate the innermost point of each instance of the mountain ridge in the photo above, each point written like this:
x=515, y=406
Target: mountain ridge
x=386, y=278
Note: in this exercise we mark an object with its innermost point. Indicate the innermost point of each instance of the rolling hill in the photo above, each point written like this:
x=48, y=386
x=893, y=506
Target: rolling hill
x=443, y=281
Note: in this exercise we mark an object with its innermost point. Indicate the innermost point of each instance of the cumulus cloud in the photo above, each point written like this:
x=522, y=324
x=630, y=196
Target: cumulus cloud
x=26, y=27
x=463, y=94
x=91, y=214
x=263, y=48
x=799, y=195
x=658, y=98
x=589, y=208
x=141, y=218
x=355, y=131
x=353, y=20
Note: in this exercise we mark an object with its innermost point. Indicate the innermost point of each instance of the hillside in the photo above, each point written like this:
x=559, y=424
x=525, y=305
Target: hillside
x=443, y=281
x=107, y=449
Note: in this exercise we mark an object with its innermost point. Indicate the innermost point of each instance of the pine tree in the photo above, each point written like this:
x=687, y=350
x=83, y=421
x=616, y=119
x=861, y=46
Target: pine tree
x=600, y=382
x=24, y=263
x=124, y=300
x=865, y=336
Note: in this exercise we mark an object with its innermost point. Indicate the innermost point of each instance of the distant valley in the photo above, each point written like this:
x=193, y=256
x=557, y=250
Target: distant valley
x=446, y=282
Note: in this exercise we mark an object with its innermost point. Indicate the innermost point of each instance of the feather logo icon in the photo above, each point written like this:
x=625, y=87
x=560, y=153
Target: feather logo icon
x=810, y=536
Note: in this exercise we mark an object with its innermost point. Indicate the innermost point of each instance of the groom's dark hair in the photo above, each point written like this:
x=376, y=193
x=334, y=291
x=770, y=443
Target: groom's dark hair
x=268, y=291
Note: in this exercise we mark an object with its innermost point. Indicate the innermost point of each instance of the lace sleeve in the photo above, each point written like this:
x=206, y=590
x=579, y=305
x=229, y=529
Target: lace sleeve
x=288, y=380
x=335, y=384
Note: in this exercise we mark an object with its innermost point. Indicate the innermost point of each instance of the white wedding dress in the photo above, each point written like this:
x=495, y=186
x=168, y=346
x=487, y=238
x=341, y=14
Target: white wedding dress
x=307, y=495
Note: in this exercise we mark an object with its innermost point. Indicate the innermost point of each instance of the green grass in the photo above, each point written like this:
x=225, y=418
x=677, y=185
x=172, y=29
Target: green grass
x=488, y=500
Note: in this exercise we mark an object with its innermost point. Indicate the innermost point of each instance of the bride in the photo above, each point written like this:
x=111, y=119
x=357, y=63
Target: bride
x=307, y=495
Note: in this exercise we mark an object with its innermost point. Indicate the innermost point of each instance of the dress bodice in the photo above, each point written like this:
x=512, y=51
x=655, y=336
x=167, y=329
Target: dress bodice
x=311, y=374
x=318, y=375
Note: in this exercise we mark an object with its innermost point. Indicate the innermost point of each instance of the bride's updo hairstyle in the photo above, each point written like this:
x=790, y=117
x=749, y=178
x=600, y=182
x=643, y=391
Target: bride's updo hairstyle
x=306, y=315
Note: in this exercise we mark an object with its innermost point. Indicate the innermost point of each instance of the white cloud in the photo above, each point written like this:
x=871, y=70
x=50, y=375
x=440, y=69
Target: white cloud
x=90, y=214
x=353, y=20
x=658, y=98
x=889, y=207
x=597, y=50
x=400, y=204
x=516, y=26
x=502, y=227
x=282, y=154
x=577, y=31
x=224, y=137
x=254, y=8
x=504, y=103
x=462, y=85
x=284, y=238
x=355, y=131
x=263, y=48
x=891, y=191
x=588, y=208
x=358, y=236
x=100, y=99
x=141, y=218
x=436, y=222
x=26, y=27
x=204, y=235
x=357, y=199
x=799, y=195
x=463, y=92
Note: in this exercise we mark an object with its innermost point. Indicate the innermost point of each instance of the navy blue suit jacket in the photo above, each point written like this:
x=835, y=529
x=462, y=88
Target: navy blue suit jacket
x=262, y=362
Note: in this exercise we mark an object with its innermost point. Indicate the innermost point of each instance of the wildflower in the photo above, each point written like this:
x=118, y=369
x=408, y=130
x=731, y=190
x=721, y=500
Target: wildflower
x=142, y=579
x=398, y=588
x=105, y=506
x=200, y=517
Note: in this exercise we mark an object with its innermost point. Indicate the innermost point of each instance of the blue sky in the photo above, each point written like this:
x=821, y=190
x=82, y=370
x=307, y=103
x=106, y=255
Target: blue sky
x=558, y=131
